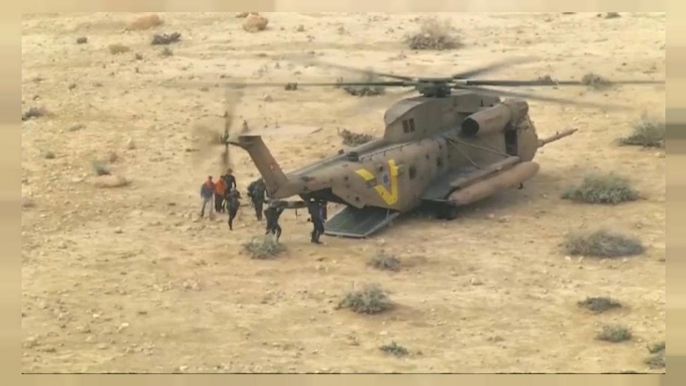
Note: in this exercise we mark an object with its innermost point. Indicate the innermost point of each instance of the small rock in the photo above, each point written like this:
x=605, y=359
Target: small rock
x=568, y=258
x=475, y=281
x=82, y=40
x=183, y=368
x=118, y=230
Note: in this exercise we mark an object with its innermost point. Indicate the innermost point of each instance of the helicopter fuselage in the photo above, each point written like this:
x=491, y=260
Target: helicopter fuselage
x=426, y=140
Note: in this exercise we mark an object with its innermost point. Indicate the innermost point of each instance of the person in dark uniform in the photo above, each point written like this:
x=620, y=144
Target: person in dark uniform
x=232, y=205
x=257, y=192
x=315, y=209
x=229, y=180
x=272, y=214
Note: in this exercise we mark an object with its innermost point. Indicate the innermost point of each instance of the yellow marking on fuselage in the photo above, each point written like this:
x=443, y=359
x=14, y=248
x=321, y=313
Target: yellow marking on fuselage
x=391, y=197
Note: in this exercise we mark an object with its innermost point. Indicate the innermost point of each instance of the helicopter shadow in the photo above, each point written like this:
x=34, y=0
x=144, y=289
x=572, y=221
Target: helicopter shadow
x=542, y=186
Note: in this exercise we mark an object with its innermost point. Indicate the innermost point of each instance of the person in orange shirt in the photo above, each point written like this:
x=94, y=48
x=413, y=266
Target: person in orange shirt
x=219, y=195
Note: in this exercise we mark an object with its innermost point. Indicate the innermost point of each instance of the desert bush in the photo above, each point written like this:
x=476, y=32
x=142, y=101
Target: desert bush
x=602, y=243
x=363, y=90
x=394, y=349
x=82, y=40
x=602, y=189
x=647, y=132
x=657, y=358
x=599, y=304
x=100, y=168
x=614, y=333
x=116, y=49
x=263, y=248
x=164, y=39
x=371, y=299
x=385, y=262
x=49, y=155
x=433, y=35
x=595, y=81
x=145, y=22
x=34, y=112
x=354, y=139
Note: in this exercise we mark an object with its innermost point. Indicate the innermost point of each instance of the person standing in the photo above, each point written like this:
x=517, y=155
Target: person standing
x=272, y=214
x=257, y=192
x=232, y=205
x=206, y=193
x=219, y=195
x=315, y=209
x=229, y=180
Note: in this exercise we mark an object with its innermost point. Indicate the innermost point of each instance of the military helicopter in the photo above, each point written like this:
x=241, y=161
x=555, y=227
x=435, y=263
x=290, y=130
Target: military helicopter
x=455, y=143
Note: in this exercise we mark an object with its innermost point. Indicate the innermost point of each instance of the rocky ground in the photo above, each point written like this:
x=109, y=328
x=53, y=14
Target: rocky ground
x=125, y=279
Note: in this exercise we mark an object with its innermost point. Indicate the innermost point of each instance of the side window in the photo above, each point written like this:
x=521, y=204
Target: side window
x=408, y=125
x=439, y=162
x=413, y=172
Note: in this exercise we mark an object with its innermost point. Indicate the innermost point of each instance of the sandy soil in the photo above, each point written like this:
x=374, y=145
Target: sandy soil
x=127, y=280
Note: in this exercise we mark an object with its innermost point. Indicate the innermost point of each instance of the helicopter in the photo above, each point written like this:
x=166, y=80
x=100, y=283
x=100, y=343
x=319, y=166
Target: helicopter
x=457, y=142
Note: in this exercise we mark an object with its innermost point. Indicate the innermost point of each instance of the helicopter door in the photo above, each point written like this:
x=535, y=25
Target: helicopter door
x=511, y=142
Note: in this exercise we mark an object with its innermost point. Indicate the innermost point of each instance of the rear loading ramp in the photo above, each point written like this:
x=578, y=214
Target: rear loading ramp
x=358, y=223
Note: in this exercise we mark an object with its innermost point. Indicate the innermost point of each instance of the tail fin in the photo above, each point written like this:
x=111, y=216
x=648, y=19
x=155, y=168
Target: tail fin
x=274, y=178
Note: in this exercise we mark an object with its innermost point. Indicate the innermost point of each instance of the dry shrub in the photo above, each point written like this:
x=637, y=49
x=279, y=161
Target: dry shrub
x=49, y=155
x=34, y=112
x=384, y=262
x=595, y=81
x=100, y=168
x=647, y=132
x=599, y=304
x=657, y=359
x=602, y=243
x=371, y=299
x=354, y=139
x=602, y=189
x=255, y=23
x=394, y=349
x=116, y=49
x=614, y=333
x=27, y=202
x=363, y=90
x=164, y=39
x=434, y=34
x=110, y=182
x=612, y=15
x=82, y=40
x=263, y=248
x=145, y=22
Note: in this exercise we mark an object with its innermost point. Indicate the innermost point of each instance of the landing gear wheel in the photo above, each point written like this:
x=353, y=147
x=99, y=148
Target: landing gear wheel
x=447, y=212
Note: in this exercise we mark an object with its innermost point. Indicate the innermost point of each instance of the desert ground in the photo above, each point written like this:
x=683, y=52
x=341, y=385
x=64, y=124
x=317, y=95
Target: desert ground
x=128, y=279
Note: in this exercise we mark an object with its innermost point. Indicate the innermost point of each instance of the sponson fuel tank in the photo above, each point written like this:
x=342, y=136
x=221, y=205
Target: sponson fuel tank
x=503, y=180
x=495, y=119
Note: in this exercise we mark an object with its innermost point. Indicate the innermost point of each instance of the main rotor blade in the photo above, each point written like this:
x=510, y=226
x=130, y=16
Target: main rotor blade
x=319, y=63
x=546, y=82
x=499, y=93
x=492, y=67
x=284, y=84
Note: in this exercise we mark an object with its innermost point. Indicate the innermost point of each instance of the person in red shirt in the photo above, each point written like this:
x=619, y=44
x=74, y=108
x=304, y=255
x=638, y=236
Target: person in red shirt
x=206, y=193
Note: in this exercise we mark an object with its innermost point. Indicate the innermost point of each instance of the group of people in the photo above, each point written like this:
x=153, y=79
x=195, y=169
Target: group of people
x=227, y=198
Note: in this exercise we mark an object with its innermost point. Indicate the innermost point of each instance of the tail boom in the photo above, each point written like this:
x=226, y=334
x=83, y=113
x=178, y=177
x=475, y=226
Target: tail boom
x=278, y=185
